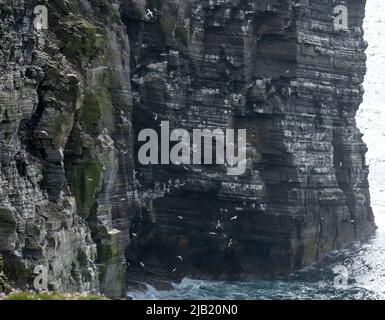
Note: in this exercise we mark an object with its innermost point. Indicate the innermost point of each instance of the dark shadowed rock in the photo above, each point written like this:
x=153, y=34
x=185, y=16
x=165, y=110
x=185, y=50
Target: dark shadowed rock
x=282, y=72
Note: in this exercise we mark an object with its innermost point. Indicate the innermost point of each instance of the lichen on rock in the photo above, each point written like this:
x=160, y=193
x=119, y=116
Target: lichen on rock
x=5, y=287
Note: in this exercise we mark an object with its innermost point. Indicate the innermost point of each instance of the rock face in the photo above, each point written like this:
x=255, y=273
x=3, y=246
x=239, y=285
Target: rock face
x=280, y=70
x=4, y=285
x=66, y=159
x=73, y=98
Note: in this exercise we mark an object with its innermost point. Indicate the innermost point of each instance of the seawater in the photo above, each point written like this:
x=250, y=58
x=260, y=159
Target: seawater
x=365, y=261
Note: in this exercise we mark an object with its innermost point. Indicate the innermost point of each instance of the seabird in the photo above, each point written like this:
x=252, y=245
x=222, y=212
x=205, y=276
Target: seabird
x=234, y=218
x=149, y=13
x=219, y=225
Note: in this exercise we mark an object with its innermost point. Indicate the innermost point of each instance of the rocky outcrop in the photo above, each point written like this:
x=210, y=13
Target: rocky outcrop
x=73, y=98
x=5, y=287
x=280, y=70
x=65, y=145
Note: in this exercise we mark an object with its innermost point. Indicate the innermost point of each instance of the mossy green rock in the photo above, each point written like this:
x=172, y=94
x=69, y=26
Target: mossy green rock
x=5, y=287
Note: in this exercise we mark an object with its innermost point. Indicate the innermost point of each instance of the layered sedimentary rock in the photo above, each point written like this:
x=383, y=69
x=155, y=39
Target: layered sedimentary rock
x=73, y=98
x=4, y=283
x=65, y=145
x=280, y=70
